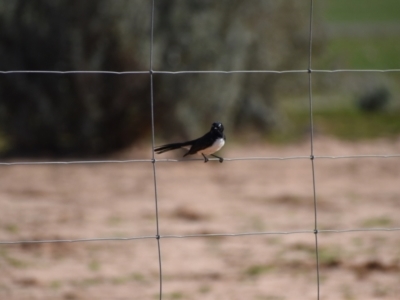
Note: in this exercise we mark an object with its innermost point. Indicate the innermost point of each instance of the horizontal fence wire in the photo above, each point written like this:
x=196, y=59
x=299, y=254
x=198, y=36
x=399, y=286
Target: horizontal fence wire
x=199, y=71
x=199, y=235
x=183, y=160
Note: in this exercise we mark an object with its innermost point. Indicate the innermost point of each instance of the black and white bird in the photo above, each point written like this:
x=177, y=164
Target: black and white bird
x=208, y=144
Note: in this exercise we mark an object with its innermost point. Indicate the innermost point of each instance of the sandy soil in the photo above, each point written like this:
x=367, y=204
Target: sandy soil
x=271, y=196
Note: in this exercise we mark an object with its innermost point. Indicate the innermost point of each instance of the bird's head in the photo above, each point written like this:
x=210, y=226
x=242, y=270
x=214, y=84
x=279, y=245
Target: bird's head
x=217, y=127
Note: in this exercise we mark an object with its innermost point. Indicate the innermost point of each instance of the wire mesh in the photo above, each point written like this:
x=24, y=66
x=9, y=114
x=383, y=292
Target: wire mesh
x=313, y=158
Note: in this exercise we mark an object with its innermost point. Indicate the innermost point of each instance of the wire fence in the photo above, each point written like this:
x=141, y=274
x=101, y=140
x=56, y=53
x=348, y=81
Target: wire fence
x=157, y=235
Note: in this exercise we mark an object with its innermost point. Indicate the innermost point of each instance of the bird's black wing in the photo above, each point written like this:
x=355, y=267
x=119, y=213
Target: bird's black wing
x=201, y=143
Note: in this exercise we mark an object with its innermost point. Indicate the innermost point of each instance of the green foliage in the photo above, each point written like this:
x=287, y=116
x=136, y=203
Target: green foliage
x=353, y=124
x=363, y=35
x=362, y=10
x=354, y=52
x=339, y=117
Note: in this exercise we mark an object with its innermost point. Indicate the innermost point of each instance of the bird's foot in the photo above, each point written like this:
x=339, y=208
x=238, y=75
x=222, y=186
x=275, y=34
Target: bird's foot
x=219, y=158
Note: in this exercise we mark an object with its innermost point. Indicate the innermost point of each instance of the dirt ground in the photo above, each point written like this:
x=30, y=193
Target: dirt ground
x=271, y=197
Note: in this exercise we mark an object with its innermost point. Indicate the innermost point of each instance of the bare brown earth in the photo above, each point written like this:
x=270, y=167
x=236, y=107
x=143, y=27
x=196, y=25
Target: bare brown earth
x=46, y=202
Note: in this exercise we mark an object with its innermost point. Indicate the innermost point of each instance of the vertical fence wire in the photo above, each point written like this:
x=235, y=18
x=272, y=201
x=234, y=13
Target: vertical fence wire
x=312, y=157
x=152, y=147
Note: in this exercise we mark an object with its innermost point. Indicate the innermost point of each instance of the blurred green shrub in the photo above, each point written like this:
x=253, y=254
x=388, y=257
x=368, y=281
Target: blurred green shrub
x=93, y=114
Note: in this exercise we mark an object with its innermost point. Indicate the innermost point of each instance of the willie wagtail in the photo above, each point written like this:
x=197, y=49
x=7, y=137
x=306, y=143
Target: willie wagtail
x=208, y=144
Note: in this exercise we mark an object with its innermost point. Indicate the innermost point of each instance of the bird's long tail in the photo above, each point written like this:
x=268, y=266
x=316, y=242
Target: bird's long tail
x=169, y=147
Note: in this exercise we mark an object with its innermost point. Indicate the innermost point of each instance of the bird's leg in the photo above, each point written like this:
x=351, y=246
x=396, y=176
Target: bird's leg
x=205, y=158
x=220, y=158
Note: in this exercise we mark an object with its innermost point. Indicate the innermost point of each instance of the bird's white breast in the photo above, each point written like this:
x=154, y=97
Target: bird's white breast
x=218, y=144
